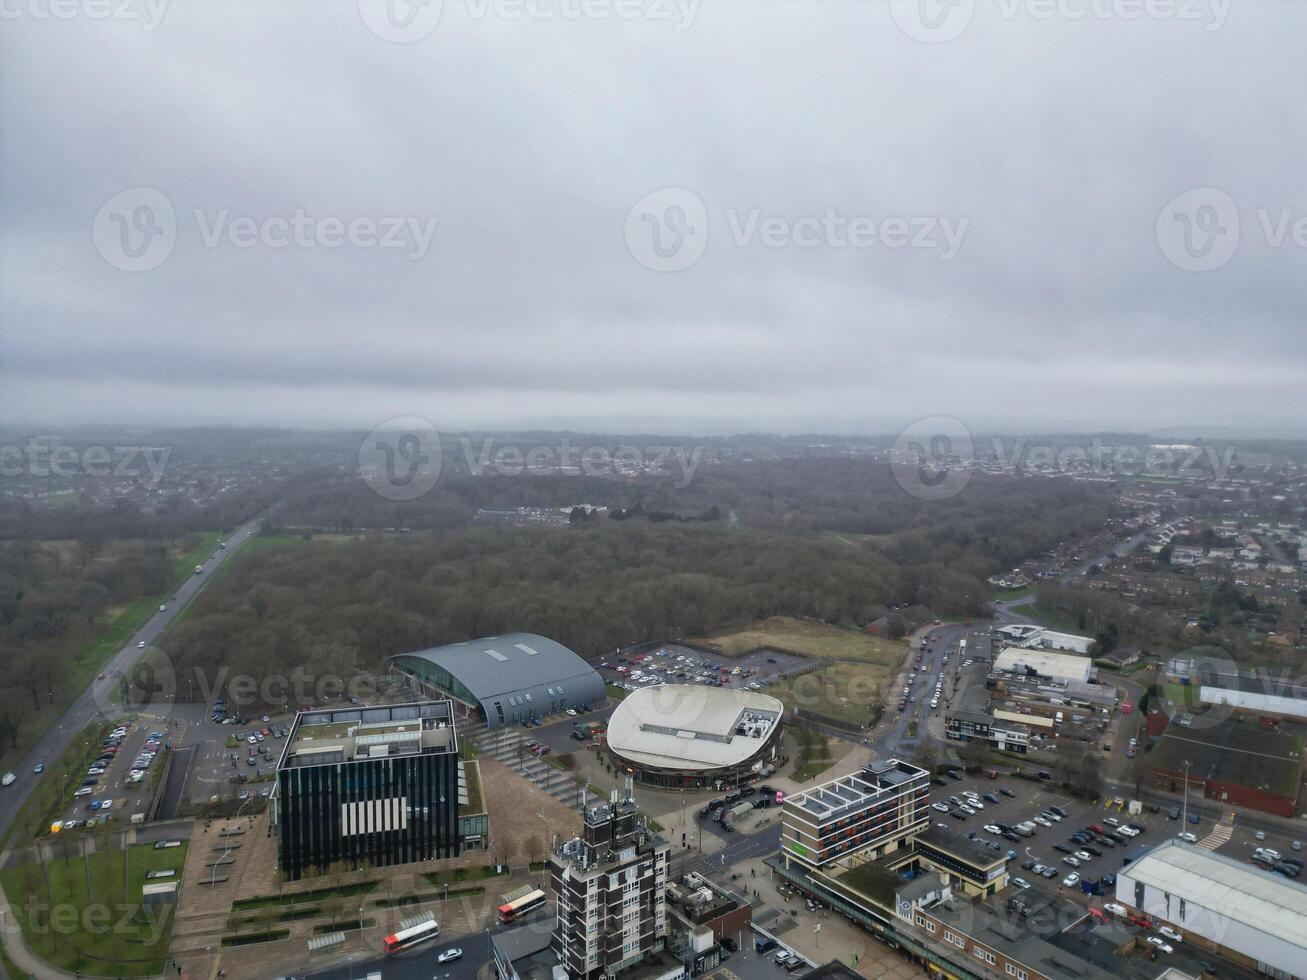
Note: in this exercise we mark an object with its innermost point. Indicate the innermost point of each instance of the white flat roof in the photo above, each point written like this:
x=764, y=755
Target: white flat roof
x=686, y=726
x=1047, y=663
x=1257, y=899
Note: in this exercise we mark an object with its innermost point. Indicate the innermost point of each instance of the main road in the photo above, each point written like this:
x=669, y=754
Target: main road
x=91, y=703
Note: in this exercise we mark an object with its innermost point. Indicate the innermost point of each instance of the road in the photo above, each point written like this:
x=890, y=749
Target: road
x=95, y=700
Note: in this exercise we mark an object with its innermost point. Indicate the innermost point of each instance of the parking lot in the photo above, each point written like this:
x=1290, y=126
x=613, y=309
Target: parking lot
x=1028, y=802
x=672, y=664
x=120, y=780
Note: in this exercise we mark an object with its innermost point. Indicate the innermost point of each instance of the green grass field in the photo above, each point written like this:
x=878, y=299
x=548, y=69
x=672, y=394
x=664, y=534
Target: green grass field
x=842, y=691
x=85, y=913
x=1011, y=594
x=814, y=755
x=812, y=639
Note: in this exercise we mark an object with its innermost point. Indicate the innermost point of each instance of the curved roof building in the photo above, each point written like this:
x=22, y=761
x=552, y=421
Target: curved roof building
x=685, y=734
x=504, y=679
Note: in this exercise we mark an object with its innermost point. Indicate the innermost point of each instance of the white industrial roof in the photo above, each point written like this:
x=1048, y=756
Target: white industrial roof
x=685, y=726
x=1257, y=899
x=1045, y=662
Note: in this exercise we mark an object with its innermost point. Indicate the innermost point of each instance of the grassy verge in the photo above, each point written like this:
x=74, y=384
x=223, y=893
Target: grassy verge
x=616, y=693
x=112, y=933
x=1011, y=594
x=56, y=786
x=88, y=661
x=1051, y=617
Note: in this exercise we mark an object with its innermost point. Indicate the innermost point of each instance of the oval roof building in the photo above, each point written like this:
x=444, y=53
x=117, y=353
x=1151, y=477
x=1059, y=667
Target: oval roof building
x=676, y=735
x=504, y=679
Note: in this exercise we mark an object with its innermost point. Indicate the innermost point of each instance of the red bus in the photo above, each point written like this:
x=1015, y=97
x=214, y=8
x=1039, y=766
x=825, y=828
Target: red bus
x=522, y=906
x=412, y=936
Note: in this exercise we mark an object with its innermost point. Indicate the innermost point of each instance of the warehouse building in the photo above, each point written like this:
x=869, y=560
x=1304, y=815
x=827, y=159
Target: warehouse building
x=503, y=680
x=1043, y=663
x=1235, y=762
x=685, y=735
x=371, y=786
x=1221, y=904
x=1037, y=637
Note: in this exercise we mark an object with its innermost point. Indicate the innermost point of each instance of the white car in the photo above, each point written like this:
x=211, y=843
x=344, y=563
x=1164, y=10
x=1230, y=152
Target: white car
x=1072, y=860
x=85, y=791
x=572, y=712
x=163, y=607
x=1042, y=822
x=1084, y=855
x=1161, y=944
x=1129, y=831
x=1187, y=838
x=140, y=645
x=1071, y=880
x=1021, y=882
x=1171, y=934
x=1112, y=821
x=449, y=955
x=940, y=807
x=1116, y=909
x=975, y=804
x=1050, y=815
x=992, y=829
x=966, y=809
x=8, y=779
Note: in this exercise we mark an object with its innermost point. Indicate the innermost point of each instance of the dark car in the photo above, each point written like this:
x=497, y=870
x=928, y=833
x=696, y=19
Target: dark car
x=729, y=944
x=990, y=797
x=954, y=775
x=937, y=781
x=1058, y=810
x=1063, y=848
x=1028, y=865
x=1007, y=792
x=1094, y=851
x=957, y=815
x=1104, y=841
x=1008, y=835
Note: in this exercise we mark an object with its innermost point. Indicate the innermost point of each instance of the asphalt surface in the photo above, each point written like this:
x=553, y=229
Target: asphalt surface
x=96, y=701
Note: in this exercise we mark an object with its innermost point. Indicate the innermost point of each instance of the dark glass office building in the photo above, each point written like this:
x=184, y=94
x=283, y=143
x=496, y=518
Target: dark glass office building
x=367, y=786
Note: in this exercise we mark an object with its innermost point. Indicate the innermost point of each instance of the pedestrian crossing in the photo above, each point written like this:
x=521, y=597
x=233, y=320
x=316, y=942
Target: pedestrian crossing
x=1220, y=834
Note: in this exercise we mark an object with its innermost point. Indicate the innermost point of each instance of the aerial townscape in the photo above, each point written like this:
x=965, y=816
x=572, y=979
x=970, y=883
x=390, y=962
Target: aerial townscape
x=653, y=490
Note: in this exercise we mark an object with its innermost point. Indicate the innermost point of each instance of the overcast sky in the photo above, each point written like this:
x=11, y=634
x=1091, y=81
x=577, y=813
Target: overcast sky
x=989, y=225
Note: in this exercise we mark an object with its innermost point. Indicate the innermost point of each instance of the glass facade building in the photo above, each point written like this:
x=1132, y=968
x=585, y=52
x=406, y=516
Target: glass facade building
x=368, y=786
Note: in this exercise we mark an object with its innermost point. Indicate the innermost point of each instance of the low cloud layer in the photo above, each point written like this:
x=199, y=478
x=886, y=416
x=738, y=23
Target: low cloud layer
x=782, y=215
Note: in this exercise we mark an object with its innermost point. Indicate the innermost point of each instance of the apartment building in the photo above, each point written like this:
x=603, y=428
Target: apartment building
x=875, y=809
x=610, y=885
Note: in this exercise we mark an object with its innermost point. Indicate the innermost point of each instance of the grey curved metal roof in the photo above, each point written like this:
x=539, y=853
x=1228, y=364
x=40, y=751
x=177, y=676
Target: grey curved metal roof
x=500, y=665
